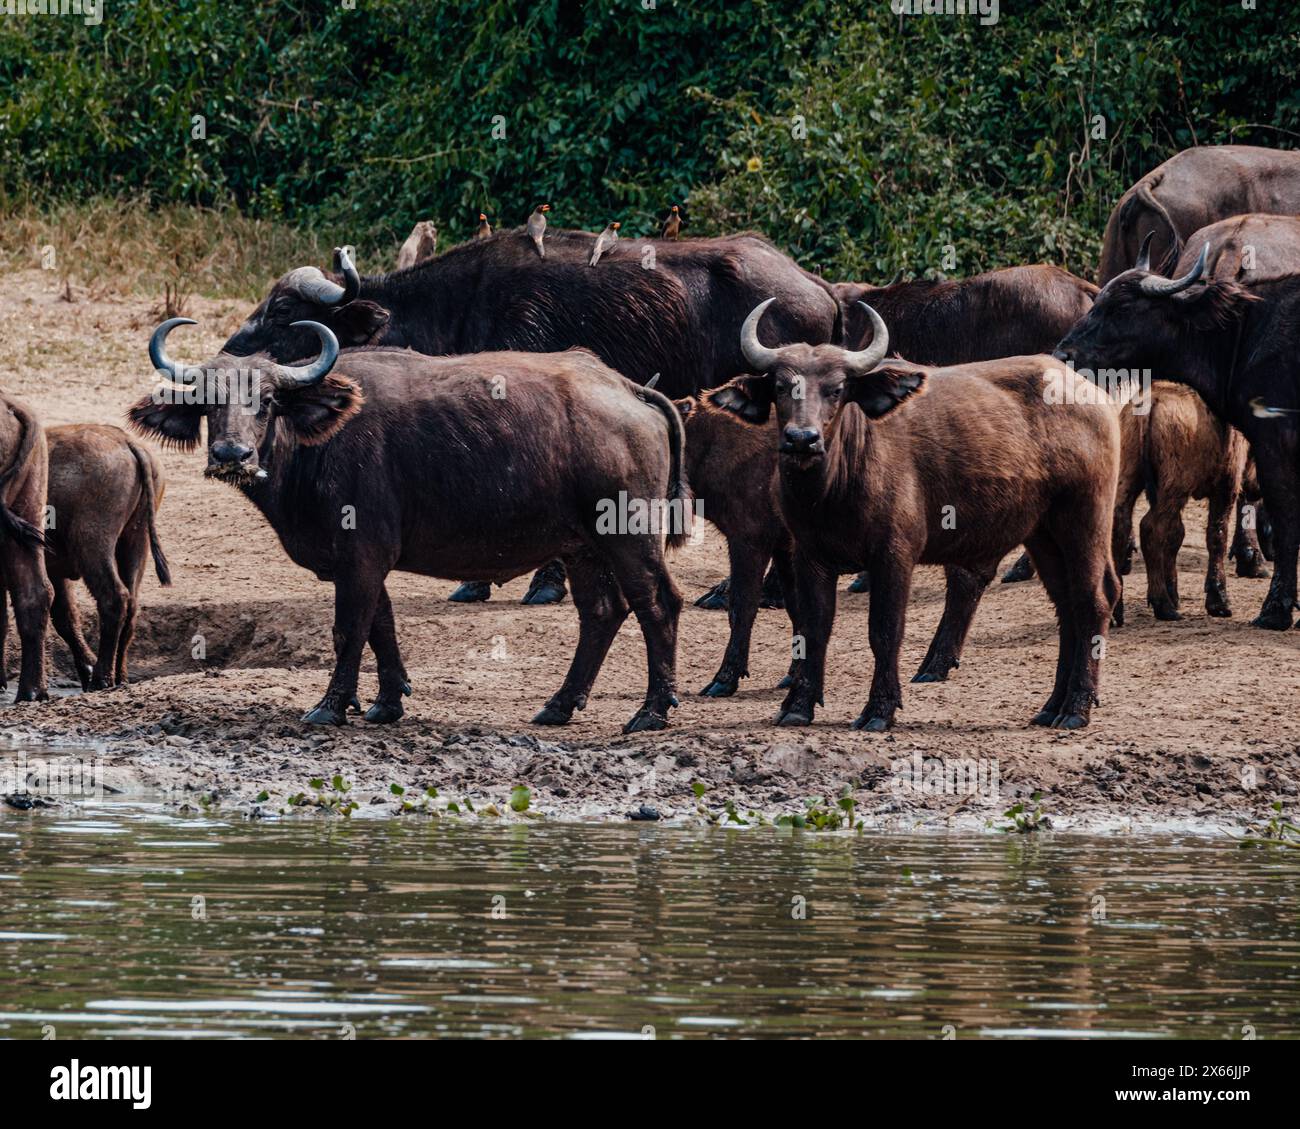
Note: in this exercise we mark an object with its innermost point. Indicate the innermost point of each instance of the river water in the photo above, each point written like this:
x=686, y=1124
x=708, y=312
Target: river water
x=124, y=918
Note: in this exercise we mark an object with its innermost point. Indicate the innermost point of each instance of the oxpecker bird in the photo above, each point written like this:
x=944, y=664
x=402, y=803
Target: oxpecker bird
x=673, y=224
x=537, y=227
x=604, y=243
x=484, y=228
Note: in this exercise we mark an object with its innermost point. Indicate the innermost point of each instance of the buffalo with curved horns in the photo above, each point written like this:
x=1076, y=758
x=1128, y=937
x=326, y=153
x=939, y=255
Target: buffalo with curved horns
x=378, y=459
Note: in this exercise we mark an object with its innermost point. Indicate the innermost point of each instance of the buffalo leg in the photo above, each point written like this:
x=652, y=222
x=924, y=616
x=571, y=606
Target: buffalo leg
x=747, y=564
x=1051, y=570
x=816, y=617
x=1246, y=549
x=891, y=581
x=132, y=552
x=1121, y=530
x=1162, y=534
x=393, y=681
x=67, y=622
x=357, y=589
x=964, y=592
x=649, y=590
x=773, y=595
x=1275, y=462
x=783, y=562
x=1093, y=590
x=601, y=612
x=32, y=596
x=1222, y=498
x=112, y=601
x=547, y=586
x=1022, y=569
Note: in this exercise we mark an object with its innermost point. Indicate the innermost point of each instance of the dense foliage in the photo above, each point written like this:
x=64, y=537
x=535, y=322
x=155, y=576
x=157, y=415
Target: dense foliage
x=861, y=140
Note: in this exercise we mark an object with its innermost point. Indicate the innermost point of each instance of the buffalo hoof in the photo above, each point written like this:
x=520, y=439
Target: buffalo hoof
x=553, y=715
x=1045, y=718
x=545, y=593
x=1272, y=618
x=1219, y=609
x=30, y=695
x=471, y=592
x=1069, y=721
x=717, y=598
x=1023, y=569
x=645, y=719
x=786, y=682
x=871, y=723
x=860, y=583
x=327, y=713
x=384, y=713
x=937, y=670
x=793, y=717
x=720, y=688
x=1250, y=566
x=1166, y=613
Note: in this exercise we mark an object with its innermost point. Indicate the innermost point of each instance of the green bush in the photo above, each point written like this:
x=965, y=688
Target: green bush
x=860, y=140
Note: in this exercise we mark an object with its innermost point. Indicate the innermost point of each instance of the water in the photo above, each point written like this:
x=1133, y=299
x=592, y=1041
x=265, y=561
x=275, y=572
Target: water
x=311, y=928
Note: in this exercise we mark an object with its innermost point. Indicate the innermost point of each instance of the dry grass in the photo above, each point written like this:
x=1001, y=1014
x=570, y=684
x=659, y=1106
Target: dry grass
x=112, y=246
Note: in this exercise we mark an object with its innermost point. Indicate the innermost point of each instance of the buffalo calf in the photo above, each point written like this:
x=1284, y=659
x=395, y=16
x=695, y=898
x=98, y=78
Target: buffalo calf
x=104, y=492
x=899, y=465
x=23, y=463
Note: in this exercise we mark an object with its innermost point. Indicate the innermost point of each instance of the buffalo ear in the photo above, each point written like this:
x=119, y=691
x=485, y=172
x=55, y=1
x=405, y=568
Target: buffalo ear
x=685, y=406
x=318, y=412
x=174, y=425
x=358, y=322
x=883, y=389
x=749, y=397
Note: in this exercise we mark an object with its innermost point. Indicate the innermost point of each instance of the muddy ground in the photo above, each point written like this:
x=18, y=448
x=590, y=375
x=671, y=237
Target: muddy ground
x=1198, y=727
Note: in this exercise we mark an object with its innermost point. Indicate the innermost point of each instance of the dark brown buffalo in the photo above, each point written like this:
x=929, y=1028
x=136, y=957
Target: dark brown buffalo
x=23, y=464
x=1013, y=312
x=655, y=308
x=732, y=469
x=421, y=244
x=483, y=467
x=1236, y=343
x=1192, y=189
x=902, y=465
x=104, y=492
x=1175, y=449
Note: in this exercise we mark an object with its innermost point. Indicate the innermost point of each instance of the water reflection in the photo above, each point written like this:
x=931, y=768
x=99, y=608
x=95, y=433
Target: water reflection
x=129, y=920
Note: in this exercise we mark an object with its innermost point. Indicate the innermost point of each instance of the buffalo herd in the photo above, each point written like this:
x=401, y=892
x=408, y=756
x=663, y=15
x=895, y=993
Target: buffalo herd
x=491, y=410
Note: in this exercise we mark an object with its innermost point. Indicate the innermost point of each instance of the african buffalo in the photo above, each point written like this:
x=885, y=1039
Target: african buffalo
x=1012, y=312
x=104, y=492
x=23, y=469
x=482, y=466
x=1175, y=449
x=1192, y=189
x=900, y=465
x=732, y=466
x=1234, y=344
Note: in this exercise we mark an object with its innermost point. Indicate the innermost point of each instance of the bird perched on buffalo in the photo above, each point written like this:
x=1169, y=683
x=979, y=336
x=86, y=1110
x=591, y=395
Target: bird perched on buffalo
x=673, y=224
x=604, y=242
x=537, y=227
x=484, y=228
